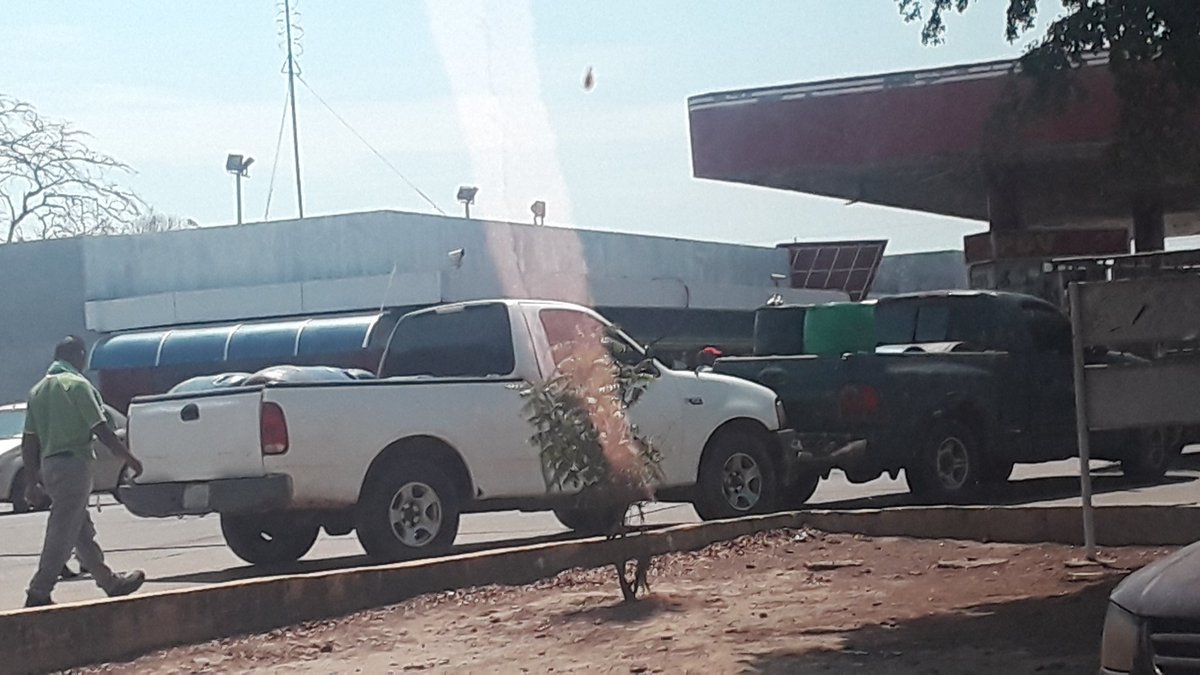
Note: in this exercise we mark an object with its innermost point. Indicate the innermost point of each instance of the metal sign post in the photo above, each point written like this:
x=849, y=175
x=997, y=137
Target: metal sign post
x=1081, y=422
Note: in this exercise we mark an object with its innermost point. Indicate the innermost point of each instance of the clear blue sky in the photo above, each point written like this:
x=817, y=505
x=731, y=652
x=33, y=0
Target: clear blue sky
x=477, y=91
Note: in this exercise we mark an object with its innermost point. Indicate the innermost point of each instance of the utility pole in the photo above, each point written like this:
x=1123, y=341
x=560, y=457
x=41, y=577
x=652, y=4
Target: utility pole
x=291, y=71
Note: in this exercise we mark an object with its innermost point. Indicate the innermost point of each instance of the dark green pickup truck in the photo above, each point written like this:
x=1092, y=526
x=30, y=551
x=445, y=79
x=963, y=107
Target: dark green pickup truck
x=961, y=386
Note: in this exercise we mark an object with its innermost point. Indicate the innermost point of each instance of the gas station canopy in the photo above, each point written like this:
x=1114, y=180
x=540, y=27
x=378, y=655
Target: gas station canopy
x=927, y=141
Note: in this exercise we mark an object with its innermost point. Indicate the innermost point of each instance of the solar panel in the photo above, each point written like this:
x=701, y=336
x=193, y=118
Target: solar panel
x=836, y=265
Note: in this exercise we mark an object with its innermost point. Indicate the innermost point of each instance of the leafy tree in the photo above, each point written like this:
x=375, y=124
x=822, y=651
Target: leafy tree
x=52, y=184
x=1152, y=49
x=587, y=443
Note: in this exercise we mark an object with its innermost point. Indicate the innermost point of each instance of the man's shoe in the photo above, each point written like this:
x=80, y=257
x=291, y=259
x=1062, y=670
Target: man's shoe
x=35, y=601
x=67, y=573
x=126, y=583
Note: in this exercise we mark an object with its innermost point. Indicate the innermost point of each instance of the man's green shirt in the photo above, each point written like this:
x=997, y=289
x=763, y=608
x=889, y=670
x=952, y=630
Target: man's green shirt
x=63, y=409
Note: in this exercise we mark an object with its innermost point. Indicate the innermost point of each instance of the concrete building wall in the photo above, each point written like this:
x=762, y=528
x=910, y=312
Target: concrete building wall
x=932, y=271
x=41, y=293
x=367, y=260
x=371, y=244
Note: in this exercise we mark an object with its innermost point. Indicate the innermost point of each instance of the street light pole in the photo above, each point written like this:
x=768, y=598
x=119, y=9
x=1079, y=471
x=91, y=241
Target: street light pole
x=239, y=197
x=466, y=195
x=239, y=166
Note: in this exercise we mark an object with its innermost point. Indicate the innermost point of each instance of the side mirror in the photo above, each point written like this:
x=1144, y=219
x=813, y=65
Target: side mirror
x=648, y=367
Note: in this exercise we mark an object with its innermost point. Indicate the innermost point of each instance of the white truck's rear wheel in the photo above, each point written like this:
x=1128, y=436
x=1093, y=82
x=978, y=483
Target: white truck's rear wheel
x=737, y=476
x=408, y=509
x=268, y=540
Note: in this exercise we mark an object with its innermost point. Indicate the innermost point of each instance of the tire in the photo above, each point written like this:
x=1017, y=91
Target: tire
x=997, y=472
x=268, y=540
x=591, y=521
x=795, y=496
x=408, y=509
x=737, y=476
x=1157, y=450
x=949, y=464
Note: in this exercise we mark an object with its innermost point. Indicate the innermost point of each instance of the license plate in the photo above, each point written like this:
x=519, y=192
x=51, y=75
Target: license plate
x=195, y=497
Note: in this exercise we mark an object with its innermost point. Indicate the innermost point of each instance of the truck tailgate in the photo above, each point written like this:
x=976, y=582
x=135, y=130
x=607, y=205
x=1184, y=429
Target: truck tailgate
x=197, y=437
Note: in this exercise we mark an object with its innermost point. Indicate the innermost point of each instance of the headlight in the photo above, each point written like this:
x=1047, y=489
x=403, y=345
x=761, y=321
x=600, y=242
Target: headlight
x=1119, y=647
x=781, y=414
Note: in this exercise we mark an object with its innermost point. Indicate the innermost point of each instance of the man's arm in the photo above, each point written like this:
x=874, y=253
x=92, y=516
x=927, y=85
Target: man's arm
x=31, y=455
x=110, y=440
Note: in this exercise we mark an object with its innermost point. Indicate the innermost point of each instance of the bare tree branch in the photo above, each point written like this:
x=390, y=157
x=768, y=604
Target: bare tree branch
x=53, y=184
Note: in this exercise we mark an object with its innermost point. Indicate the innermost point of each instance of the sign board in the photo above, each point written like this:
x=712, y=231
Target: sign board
x=1140, y=311
x=1159, y=395
x=1045, y=243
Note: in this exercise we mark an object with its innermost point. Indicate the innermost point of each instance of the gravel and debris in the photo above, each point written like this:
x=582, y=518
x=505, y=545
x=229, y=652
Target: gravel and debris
x=782, y=601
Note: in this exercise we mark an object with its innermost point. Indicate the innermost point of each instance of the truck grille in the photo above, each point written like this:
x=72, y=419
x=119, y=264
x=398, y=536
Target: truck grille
x=1176, y=646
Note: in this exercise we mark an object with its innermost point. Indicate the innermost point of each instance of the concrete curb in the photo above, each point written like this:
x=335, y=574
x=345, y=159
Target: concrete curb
x=1115, y=525
x=70, y=635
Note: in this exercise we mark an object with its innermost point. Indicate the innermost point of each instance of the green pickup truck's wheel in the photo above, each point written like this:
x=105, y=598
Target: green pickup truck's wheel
x=948, y=465
x=408, y=509
x=997, y=472
x=268, y=540
x=795, y=496
x=737, y=476
x=1154, y=452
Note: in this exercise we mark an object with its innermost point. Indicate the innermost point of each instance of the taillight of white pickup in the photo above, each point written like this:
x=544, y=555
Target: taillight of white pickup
x=273, y=432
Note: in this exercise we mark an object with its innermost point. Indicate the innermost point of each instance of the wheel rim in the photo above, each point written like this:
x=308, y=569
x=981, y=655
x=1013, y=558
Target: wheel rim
x=953, y=463
x=415, y=514
x=741, y=481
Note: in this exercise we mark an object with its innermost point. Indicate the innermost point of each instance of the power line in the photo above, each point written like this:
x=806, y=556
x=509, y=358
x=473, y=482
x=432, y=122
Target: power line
x=370, y=147
x=278, y=146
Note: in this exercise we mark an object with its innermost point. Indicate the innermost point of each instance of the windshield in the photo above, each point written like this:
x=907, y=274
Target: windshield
x=12, y=423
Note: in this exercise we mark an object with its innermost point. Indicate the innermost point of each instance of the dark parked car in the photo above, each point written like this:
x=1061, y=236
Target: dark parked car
x=1153, y=620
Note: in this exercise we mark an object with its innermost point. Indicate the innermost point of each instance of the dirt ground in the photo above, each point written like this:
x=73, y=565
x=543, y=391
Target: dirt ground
x=778, y=602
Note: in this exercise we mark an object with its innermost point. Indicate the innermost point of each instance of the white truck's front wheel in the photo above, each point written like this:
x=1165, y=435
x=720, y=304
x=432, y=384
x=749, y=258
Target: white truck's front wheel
x=408, y=509
x=737, y=476
x=268, y=540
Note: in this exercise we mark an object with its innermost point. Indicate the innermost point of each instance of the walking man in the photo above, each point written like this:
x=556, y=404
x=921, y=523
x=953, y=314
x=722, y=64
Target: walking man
x=63, y=414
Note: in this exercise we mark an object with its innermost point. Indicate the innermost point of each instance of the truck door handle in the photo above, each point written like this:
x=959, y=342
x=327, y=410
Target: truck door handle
x=695, y=400
x=190, y=413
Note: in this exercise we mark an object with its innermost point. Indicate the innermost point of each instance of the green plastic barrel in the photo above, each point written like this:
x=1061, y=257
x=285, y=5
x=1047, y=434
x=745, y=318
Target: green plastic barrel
x=838, y=328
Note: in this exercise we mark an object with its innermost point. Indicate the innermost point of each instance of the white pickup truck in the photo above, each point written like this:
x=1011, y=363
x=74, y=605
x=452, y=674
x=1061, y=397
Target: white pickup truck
x=439, y=432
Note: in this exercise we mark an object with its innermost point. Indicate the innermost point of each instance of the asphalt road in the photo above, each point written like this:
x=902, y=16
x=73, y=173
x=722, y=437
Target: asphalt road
x=180, y=553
